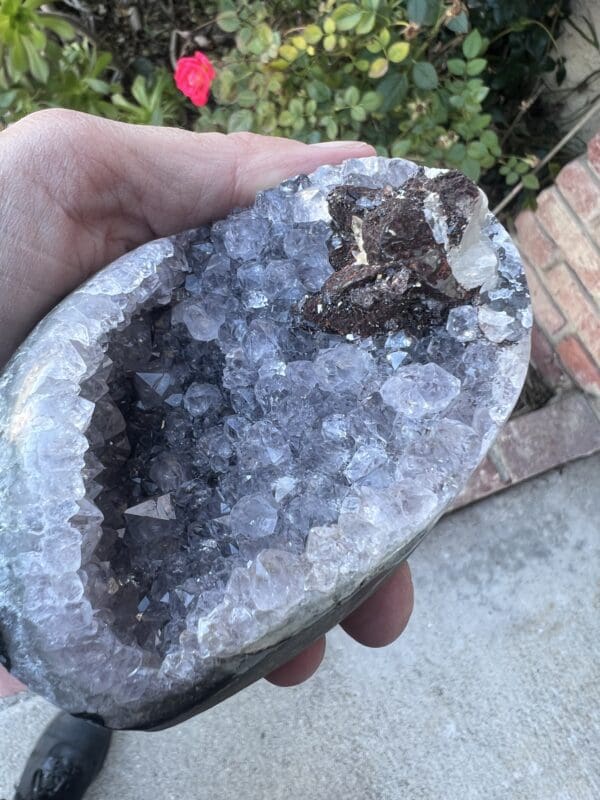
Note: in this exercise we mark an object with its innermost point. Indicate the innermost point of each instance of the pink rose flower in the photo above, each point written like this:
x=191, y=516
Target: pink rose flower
x=193, y=76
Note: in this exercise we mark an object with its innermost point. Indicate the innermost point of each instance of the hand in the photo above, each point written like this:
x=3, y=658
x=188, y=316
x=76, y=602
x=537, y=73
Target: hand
x=79, y=191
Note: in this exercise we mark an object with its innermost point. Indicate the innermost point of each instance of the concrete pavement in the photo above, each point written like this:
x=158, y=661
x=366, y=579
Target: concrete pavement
x=493, y=692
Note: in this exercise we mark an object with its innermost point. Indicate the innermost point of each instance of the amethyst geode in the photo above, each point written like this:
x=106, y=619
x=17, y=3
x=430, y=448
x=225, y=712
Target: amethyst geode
x=219, y=444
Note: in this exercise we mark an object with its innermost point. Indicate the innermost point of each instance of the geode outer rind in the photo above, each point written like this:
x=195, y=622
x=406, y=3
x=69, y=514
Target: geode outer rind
x=320, y=375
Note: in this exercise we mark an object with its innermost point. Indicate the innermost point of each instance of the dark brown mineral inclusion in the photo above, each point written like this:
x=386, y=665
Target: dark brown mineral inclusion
x=390, y=272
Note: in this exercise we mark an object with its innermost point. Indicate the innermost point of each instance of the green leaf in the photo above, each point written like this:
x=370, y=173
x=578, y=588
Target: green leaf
x=138, y=90
x=374, y=46
x=286, y=120
x=458, y=24
x=329, y=42
x=476, y=66
x=456, y=66
x=378, y=68
x=358, y=113
x=98, y=86
x=8, y=98
x=244, y=38
x=224, y=86
x=240, y=121
x=289, y=52
x=398, y=52
x=351, y=96
x=490, y=139
x=471, y=168
x=318, y=91
x=531, y=181
x=512, y=178
x=367, y=23
x=246, y=98
x=299, y=42
x=457, y=153
x=423, y=12
x=473, y=44
x=371, y=101
x=37, y=38
x=401, y=147
x=313, y=34
x=296, y=107
x=347, y=16
x=37, y=65
x=393, y=88
x=331, y=129
x=425, y=76
x=477, y=150
x=228, y=21
x=17, y=58
x=11, y=7
x=384, y=36
x=60, y=27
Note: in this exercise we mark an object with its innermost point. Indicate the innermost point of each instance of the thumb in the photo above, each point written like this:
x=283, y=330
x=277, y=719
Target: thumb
x=159, y=180
x=196, y=178
x=81, y=191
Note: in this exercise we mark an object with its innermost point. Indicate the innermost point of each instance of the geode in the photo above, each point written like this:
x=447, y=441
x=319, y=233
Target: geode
x=221, y=443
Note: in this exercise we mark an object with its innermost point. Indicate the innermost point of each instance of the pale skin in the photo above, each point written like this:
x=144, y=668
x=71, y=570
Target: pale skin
x=78, y=191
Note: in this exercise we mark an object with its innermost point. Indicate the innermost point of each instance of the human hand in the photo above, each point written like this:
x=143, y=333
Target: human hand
x=79, y=191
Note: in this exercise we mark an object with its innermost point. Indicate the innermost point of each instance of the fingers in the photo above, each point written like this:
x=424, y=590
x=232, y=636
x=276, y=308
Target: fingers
x=375, y=623
x=300, y=668
x=383, y=617
x=8, y=684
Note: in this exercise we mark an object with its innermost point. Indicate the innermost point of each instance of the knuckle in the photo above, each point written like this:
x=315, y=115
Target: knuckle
x=246, y=142
x=51, y=119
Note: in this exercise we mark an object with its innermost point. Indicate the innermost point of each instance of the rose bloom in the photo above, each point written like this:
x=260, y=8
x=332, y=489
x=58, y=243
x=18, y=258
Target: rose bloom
x=193, y=76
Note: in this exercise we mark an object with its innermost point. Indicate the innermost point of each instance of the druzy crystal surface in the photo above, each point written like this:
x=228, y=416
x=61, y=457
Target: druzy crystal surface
x=218, y=441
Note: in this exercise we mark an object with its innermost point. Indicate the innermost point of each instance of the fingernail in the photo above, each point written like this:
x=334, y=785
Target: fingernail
x=347, y=145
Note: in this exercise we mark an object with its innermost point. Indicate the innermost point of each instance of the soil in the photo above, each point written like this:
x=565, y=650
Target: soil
x=535, y=394
x=142, y=34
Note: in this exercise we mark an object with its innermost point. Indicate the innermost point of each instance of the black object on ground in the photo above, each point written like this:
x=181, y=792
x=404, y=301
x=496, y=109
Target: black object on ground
x=65, y=760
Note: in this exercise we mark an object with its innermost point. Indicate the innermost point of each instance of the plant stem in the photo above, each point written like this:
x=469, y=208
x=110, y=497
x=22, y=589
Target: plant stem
x=595, y=109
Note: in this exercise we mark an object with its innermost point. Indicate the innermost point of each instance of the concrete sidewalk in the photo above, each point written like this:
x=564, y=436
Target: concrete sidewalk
x=493, y=693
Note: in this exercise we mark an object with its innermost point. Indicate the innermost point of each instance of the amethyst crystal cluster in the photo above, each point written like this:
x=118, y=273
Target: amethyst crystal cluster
x=216, y=446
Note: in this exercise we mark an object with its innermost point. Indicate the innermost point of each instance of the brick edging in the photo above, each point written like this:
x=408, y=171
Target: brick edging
x=560, y=244
x=564, y=430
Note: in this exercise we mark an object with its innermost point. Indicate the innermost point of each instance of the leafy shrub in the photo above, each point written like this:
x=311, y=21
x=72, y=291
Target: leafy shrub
x=414, y=78
x=43, y=63
x=440, y=81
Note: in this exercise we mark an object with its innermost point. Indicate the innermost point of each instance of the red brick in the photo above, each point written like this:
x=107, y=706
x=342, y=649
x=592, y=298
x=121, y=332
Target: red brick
x=581, y=189
x=580, y=311
x=546, y=361
x=594, y=152
x=533, y=243
x=544, y=308
x=483, y=482
x=578, y=250
x=556, y=434
x=584, y=371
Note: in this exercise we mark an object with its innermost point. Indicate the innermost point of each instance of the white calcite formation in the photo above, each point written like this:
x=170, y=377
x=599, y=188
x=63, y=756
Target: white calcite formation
x=220, y=438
